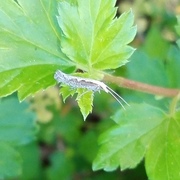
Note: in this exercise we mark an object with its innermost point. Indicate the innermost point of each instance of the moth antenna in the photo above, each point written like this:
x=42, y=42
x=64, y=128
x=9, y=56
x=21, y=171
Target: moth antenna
x=117, y=97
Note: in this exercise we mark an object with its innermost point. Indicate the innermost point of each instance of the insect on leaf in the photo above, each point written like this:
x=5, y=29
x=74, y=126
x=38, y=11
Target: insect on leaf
x=92, y=36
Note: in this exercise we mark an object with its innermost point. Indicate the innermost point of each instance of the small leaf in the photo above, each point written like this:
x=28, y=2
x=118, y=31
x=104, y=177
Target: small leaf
x=67, y=91
x=93, y=37
x=84, y=98
x=85, y=101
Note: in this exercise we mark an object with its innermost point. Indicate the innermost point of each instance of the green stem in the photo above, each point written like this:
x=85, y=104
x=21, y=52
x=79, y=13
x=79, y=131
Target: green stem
x=138, y=86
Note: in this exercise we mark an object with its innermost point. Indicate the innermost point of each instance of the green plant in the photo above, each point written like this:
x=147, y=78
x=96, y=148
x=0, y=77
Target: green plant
x=39, y=37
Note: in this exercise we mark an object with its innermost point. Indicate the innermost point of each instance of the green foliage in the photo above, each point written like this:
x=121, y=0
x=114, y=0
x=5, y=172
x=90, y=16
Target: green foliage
x=10, y=162
x=158, y=50
x=17, y=128
x=173, y=65
x=61, y=167
x=85, y=102
x=84, y=98
x=31, y=164
x=123, y=151
x=28, y=46
x=39, y=37
x=163, y=152
x=36, y=52
x=178, y=29
x=137, y=135
x=93, y=38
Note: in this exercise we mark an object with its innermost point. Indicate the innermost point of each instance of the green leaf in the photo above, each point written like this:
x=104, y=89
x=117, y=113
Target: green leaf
x=85, y=101
x=142, y=130
x=89, y=139
x=178, y=29
x=67, y=91
x=61, y=167
x=10, y=161
x=162, y=158
x=16, y=123
x=159, y=50
x=31, y=165
x=125, y=144
x=150, y=66
x=16, y=129
x=93, y=37
x=29, y=49
x=173, y=66
x=84, y=98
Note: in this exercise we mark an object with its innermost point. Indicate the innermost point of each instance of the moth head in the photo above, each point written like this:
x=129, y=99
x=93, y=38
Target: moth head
x=59, y=76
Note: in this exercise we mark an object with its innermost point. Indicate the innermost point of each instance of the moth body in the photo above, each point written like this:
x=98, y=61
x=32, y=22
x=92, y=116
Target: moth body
x=86, y=83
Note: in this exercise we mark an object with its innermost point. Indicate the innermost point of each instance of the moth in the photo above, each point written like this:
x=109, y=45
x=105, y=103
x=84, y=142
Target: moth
x=86, y=83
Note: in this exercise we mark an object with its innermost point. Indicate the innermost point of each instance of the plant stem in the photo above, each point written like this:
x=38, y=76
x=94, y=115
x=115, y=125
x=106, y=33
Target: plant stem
x=143, y=87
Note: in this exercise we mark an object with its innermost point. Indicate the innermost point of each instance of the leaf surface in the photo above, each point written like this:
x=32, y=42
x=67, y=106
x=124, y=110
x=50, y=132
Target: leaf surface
x=178, y=29
x=162, y=158
x=92, y=36
x=10, y=161
x=16, y=123
x=17, y=128
x=173, y=66
x=61, y=166
x=125, y=144
x=67, y=91
x=29, y=48
x=84, y=98
x=85, y=101
x=143, y=131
